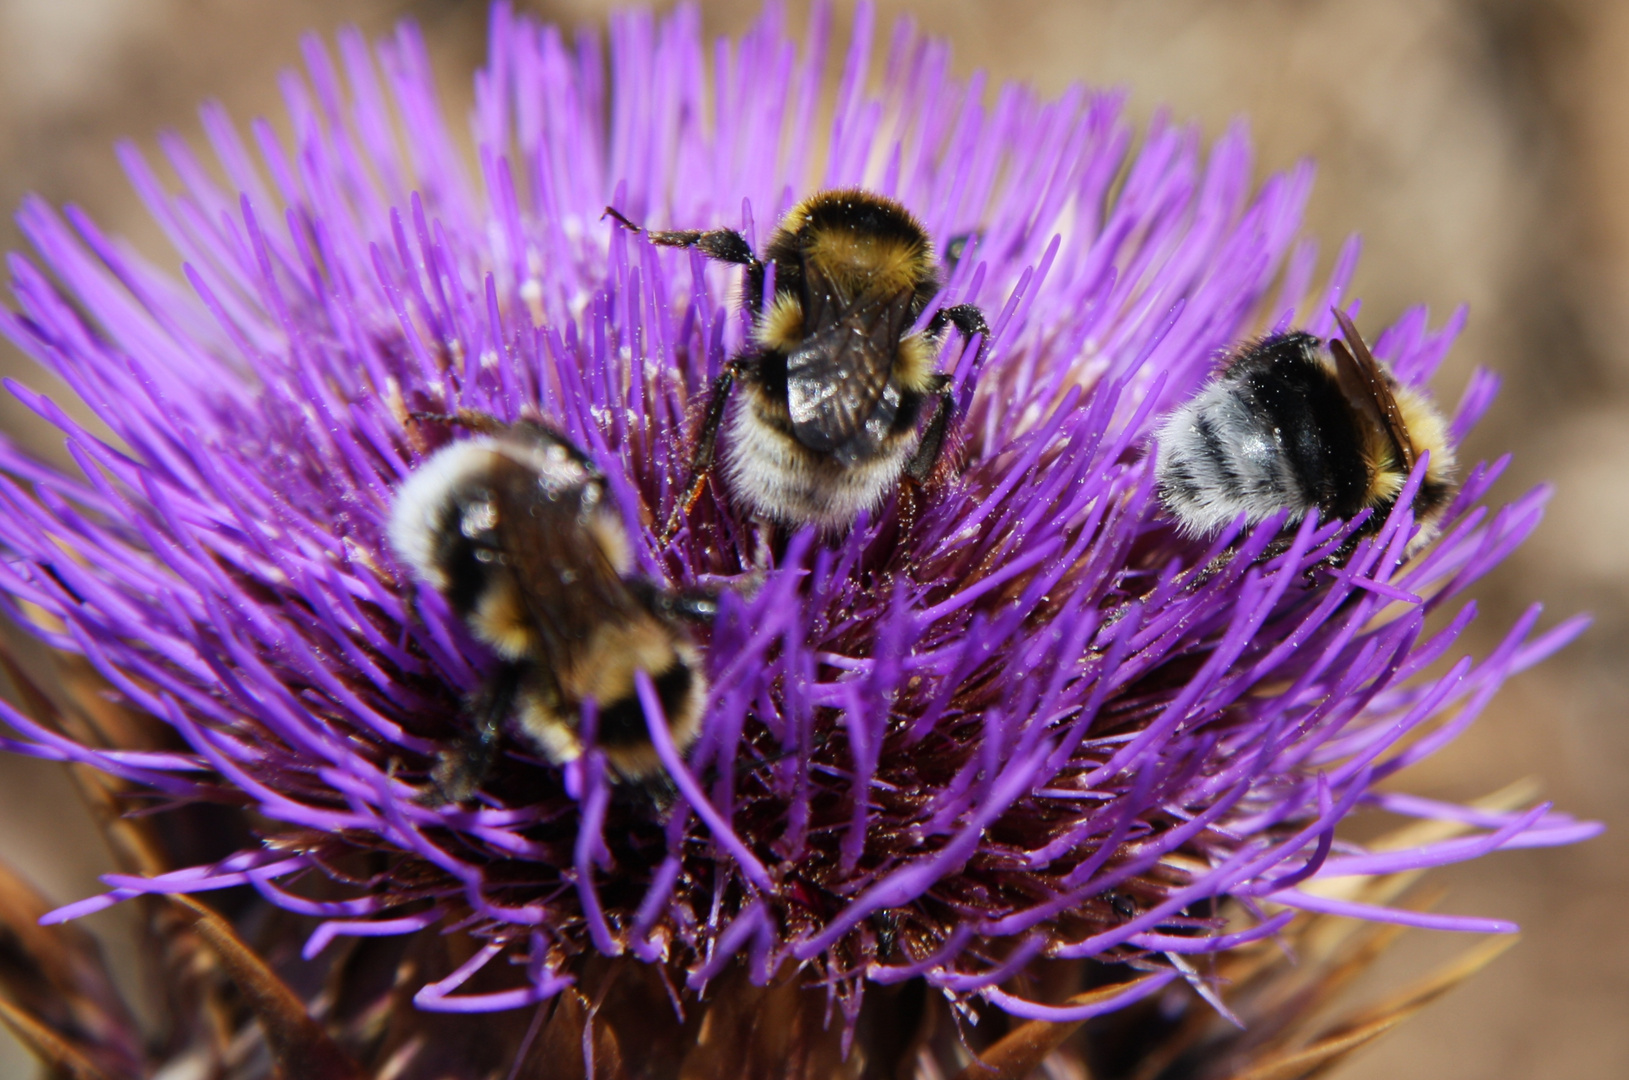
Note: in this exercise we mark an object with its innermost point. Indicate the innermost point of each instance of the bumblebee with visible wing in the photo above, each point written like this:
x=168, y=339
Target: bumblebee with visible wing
x=1291, y=425
x=515, y=528
x=834, y=384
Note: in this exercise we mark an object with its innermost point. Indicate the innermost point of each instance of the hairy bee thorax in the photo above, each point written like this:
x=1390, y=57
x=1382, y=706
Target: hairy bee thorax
x=860, y=240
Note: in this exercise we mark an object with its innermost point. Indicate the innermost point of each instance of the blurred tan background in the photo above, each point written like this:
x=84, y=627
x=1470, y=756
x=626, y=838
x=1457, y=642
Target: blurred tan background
x=1480, y=146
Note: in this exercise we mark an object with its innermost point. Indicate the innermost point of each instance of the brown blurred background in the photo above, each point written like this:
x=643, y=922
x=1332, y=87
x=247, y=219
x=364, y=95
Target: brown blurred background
x=1480, y=146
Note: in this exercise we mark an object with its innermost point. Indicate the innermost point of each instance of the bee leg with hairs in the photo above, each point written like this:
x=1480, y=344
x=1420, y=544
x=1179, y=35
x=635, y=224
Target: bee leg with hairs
x=725, y=245
x=696, y=606
x=701, y=458
x=1333, y=565
x=919, y=469
x=969, y=320
x=965, y=317
x=728, y=246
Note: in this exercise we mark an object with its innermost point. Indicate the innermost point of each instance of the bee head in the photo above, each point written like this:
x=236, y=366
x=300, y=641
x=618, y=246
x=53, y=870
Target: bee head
x=859, y=240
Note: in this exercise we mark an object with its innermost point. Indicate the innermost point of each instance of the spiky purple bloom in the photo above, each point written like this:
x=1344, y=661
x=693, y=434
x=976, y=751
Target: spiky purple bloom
x=1037, y=723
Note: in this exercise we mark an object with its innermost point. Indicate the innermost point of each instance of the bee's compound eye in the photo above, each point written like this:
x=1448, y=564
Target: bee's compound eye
x=479, y=517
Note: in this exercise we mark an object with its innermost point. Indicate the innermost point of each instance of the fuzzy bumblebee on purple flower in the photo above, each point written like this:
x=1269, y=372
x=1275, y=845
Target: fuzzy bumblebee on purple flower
x=900, y=649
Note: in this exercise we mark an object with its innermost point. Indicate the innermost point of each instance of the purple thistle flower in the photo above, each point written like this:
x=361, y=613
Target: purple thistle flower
x=1032, y=722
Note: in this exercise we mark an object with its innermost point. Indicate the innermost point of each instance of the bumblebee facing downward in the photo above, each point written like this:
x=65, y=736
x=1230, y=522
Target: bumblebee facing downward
x=515, y=529
x=834, y=383
x=1292, y=424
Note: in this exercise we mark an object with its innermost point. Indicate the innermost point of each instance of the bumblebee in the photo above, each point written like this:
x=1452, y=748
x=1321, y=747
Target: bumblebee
x=834, y=386
x=515, y=528
x=1296, y=424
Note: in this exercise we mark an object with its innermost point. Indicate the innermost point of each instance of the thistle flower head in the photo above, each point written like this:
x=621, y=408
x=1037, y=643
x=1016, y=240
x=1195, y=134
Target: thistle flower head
x=1028, y=721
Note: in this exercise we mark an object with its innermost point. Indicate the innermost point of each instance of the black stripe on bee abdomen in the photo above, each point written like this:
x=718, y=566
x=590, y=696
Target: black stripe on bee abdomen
x=767, y=373
x=622, y=722
x=1302, y=409
x=458, y=554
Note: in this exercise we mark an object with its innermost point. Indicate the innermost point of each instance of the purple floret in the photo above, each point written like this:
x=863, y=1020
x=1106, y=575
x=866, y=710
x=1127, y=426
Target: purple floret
x=1030, y=721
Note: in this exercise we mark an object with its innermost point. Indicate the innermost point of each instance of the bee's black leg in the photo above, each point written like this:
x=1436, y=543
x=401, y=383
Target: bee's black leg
x=462, y=768
x=701, y=461
x=965, y=317
x=725, y=245
x=886, y=925
x=1332, y=563
x=691, y=605
x=621, y=219
x=654, y=795
x=698, y=606
x=816, y=744
x=1278, y=545
x=1121, y=905
x=921, y=465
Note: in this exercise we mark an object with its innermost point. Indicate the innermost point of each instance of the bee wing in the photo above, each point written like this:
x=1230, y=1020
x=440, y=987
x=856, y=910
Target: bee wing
x=837, y=377
x=1365, y=384
x=569, y=584
x=561, y=574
